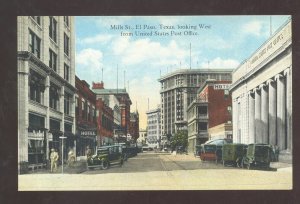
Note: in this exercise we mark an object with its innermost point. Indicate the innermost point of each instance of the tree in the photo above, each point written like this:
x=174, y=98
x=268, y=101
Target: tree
x=180, y=139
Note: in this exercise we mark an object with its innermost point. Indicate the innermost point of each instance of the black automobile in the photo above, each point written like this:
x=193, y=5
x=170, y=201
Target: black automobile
x=258, y=155
x=106, y=156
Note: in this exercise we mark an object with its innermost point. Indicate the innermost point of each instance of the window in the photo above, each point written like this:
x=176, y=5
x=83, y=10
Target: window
x=66, y=44
x=67, y=101
x=66, y=20
x=36, y=87
x=34, y=44
x=53, y=96
x=66, y=72
x=52, y=60
x=37, y=19
x=52, y=28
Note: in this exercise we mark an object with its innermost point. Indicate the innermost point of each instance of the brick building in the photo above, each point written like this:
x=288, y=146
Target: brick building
x=209, y=115
x=86, y=120
x=119, y=101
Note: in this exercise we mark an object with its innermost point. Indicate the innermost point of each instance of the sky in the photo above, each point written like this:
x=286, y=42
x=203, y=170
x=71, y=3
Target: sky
x=132, y=52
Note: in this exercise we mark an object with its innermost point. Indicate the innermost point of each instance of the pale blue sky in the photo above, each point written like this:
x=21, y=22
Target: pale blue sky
x=225, y=43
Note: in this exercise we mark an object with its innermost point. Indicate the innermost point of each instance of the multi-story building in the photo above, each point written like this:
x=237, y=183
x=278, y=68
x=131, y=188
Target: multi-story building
x=209, y=115
x=154, y=127
x=86, y=120
x=178, y=90
x=134, y=126
x=121, y=106
x=46, y=86
x=262, y=94
x=142, y=137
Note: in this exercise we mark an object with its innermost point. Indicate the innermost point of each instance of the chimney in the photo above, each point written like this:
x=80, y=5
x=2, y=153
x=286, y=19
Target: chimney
x=98, y=85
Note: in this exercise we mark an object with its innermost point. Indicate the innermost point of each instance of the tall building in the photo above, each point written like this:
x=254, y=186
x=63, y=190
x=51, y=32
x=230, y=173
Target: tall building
x=154, y=127
x=178, y=90
x=209, y=115
x=262, y=95
x=46, y=87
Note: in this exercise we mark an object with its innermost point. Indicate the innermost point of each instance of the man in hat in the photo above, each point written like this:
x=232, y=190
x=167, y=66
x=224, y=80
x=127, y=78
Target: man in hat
x=53, y=159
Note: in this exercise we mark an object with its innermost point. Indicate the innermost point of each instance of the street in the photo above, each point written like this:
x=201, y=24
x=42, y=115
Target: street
x=161, y=171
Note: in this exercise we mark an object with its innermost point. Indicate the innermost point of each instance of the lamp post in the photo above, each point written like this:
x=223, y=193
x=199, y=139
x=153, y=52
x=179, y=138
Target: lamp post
x=62, y=153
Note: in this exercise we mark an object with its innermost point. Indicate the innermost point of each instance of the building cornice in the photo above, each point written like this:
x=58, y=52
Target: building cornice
x=27, y=56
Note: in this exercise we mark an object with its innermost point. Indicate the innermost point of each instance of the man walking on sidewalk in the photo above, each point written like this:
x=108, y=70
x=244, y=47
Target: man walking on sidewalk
x=53, y=159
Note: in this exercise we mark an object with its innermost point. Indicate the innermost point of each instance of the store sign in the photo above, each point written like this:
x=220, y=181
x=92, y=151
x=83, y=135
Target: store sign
x=88, y=133
x=221, y=86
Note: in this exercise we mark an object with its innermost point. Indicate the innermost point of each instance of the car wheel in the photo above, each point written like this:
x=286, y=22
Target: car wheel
x=105, y=165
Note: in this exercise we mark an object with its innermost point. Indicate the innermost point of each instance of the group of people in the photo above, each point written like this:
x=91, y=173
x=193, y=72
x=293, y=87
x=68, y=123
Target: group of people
x=71, y=158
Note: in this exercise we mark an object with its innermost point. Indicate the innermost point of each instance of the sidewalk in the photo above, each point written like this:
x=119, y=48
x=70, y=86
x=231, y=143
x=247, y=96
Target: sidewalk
x=77, y=168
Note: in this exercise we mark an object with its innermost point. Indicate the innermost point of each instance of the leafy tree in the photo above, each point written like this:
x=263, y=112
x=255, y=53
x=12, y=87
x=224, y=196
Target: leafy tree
x=180, y=139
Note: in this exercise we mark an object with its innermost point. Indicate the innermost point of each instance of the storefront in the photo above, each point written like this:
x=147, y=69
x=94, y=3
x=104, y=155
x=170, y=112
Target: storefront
x=86, y=138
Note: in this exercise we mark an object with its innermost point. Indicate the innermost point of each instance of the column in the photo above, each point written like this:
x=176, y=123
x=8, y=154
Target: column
x=257, y=117
x=251, y=117
x=264, y=114
x=288, y=74
x=272, y=111
x=47, y=119
x=281, y=101
x=23, y=121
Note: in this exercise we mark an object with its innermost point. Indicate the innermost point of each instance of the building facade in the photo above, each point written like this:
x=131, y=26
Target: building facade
x=46, y=87
x=134, y=126
x=262, y=95
x=86, y=118
x=178, y=90
x=209, y=115
x=120, y=102
x=142, y=137
x=154, y=127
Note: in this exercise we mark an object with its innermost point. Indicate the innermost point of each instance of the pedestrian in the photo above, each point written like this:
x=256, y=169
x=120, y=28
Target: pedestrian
x=71, y=157
x=276, y=151
x=53, y=158
x=88, y=152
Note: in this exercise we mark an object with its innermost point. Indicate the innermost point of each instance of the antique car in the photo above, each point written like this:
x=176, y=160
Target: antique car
x=233, y=154
x=129, y=151
x=106, y=156
x=258, y=155
x=208, y=152
x=217, y=155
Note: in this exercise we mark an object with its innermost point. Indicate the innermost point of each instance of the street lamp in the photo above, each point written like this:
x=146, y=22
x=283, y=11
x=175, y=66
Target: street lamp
x=62, y=153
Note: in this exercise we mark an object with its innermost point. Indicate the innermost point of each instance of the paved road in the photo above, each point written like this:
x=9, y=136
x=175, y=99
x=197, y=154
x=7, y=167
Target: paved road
x=150, y=171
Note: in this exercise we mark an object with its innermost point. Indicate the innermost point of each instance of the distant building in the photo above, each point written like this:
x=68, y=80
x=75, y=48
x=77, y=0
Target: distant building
x=178, y=90
x=134, y=126
x=154, y=127
x=46, y=87
x=142, y=136
x=262, y=95
x=209, y=115
x=119, y=101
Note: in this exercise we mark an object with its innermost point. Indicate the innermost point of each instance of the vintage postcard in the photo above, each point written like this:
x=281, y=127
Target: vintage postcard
x=194, y=102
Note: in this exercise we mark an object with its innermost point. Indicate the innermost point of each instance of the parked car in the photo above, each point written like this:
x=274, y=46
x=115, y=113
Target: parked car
x=106, y=156
x=207, y=151
x=259, y=155
x=233, y=154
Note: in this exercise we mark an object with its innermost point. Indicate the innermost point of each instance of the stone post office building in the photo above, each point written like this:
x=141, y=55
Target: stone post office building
x=262, y=95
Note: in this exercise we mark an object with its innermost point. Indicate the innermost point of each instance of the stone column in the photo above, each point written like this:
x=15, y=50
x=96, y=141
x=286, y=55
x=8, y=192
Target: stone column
x=251, y=117
x=272, y=111
x=23, y=121
x=289, y=127
x=281, y=101
x=264, y=114
x=47, y=119
x=235, y=119
x=257, y=117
